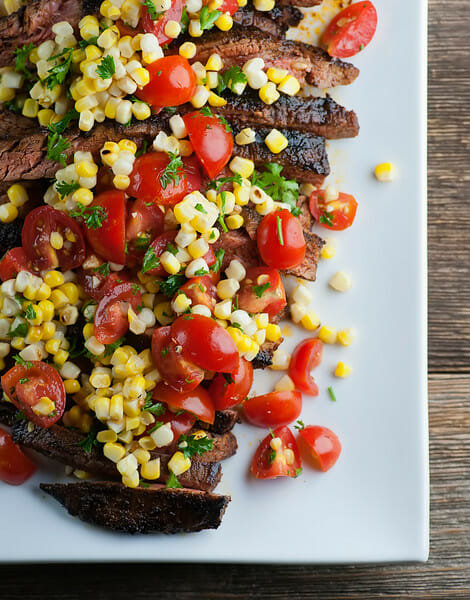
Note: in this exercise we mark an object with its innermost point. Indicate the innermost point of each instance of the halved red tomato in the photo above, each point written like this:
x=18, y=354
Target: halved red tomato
x=145, y=220
x=337, y=214
x=227, y=390
x=111, y=320
x=280, y=240
x=96, y=283
x=206, y=343
x=159, y=245
x=25, y=385
x=38, y=227
x=108, y=240
x=15, y=466
x=192, y=169
x=150, y=184
x=306, y=356
x=324, y=445
x=177, y=371
x=211, y=139
x=172, y=82
x=229, y=6
x=269, y=463
x=14, y=261
x=262, y=290
x=200, y=290
x=196, y=401
x=351, y=30
x=157, y=26
x=273, y=409
x=181, y=421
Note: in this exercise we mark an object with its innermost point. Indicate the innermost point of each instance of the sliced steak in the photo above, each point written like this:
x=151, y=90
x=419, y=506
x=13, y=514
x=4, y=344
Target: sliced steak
x=224, y=421
x=303, y=3
x=274, y=22
x=63, y=445
x=15, y=125
x=308, y=64
x=7, y=413
x=224, y=446
x=10, y=235
x=140, y=510
x=264, y=358
x=238, y=246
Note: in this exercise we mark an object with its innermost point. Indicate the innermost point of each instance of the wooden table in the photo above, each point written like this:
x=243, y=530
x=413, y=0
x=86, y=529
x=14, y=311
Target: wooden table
x=447, y=574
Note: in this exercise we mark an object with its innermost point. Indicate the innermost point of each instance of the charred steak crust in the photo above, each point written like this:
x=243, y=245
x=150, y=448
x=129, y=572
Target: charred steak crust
x=224, y=421
x=274, y=22
x=7, y=413
x=10, y=235
x=140, y=510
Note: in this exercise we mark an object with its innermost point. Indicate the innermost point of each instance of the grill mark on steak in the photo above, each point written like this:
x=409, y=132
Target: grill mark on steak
x=305, y=158
x=63, y=445
x=140, y=510
x=224, y=421
x=274, y=22
x=308, y=64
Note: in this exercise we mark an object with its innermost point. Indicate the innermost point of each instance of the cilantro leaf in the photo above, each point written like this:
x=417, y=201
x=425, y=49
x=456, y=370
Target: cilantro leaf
x=172, y=284
x=173, y=172
x=64, y=189
x=23, y=363
x=326, y=219
x=89, y=440
x=92, y=41
x=157, y=425
x=172, y=481
x=219, y=257
x=92, y=215
x=56, y=146
x=299, y=425
x=106, y=68
x=62, y=125
x=278, y=187
x=21, y=56
x=102, y=269
x=184, y=20
x=143, y=148
x=58, y=73
x=156, y=409
x=30, y=313
x=151, y=260
x=153, y=13
x=208, y=17
x=190, y=445
x=110, y=348
x=21, y=330
x=216, y=184
x=260, y=289
x=142, y=243
x=230, y=78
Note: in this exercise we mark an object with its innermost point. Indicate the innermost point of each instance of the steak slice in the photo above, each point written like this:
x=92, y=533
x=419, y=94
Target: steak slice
x=140, y=510
x=63, y=445
x=224, y=421
x=303, y=3
x=308, y=64
x=274, y=22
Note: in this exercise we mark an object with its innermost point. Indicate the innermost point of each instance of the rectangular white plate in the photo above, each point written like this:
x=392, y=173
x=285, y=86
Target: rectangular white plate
x=373, y=505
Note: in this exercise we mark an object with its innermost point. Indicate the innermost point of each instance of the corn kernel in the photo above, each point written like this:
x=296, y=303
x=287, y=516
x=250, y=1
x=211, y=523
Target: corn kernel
x=178, y=463
x=52, y=346
x=163, y=312
x=44, y=407
x=72, y=386
x=8, y=212
x=47, y=331
x=113, y=451
x=327, y=334
x=289, y=85
x=273, y=332
x=346, y=337
x=264, y=5
x=224, y=22
x=30, y=108
x=170, y=263
x=285, y=384
x=268, y=93
x=17, y=195
x=276, y=75
x=275, y=141
x=385, y=172
x=151, y=469
x=187, y=50
x=71, y=291
x=242, y=166
x=341, y=282
x=215, y=100
x=281, y=360
x=310, y=321
x=343, y=370
x=328, y=250
x=234, y=221
x=54, y=278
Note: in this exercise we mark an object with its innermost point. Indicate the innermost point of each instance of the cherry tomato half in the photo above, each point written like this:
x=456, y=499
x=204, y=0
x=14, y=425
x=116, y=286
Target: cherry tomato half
x=111, y=320
x=109, y=239
x=323, y=444
x=181, y=422
x=351, y=30
x=306, y=356
x=157, y=26
x=160, y=245
x=225, y=394
x=229, y=6
x=172, y=82
x=177, y=371
x=145, y=220
x=14, y=261
x=38, y=226
x=197, y=401
x=206, y=343
x=262, y=290
x=280, y=239
x=26, y=384
x=211, y=141
x=200, y=290
x=269, y=463
x=273, y=409
x=15, y=466
x=337, y=214
x=150, y=184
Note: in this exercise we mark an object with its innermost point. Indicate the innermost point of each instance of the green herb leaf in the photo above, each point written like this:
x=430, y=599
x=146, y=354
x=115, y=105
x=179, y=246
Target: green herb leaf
x=300, y=425
x=106, y=68
x=21, y=56
x=142, y=243
x=23, y=363
x=89, y=440
x=110, y=348
x=219, y=257
x=154, y=14
x=89, y=42
x=173, y=172
x=56, y=146
x=62, y=125
x=332, y=394
x=272, y=456
x=230, y=78
x=157, y=425
x=102, y=269
x=220, y=218
x=224, y=122
x=30, y=313
x=58, y=73
x=216, y=184
x=172, y=249
x=190, y=445
x=326, y=218
x=20, y=416
x=205, y=110
x=172, y=284
x=279, y=188
x=151, y=260
x=92, y=215
x=21, y=330
x=200, y=208
x=172, y=482
x=260, y=289
x=208, y=17
x=64, y=189
x=23, y=380
x=298, y=471
x=143, y=148
x=184, y=20
x=279, y=230
x=156, y=409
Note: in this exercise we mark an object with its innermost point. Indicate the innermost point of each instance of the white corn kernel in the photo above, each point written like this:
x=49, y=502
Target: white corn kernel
x=163, y=436
x=285, y=384
x=341, y=282
x=235, y=270
x=227, y=288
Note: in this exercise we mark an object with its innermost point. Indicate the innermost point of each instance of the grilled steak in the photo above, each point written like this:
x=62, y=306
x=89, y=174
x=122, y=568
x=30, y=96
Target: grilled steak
x=7, y=413
x=303, y=3
x=274, y=22
x=224, y=421
x=264, y=358
x=309, y=64
x=140, y=510
x=10, y=235
x=224, y=446
x=15, y=125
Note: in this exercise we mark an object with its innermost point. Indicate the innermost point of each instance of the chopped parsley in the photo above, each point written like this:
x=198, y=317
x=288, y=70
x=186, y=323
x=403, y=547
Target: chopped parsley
x=216, y=184
x=142, y=243
x=59, y=72
x=299, y=425
x=64, y=189
x=206, y=111
x=56, y=146
x=153, y=13
x=89, y=440
x=172, y=482
x=208, y=17
x=225, y=123
x=157, y=425
x=20, y=416
x=260, y=289
x=156, y=409
x=23, y=363
x=92, y=215
x=184, y=20
x=62, y=125
x=143, y=148
x=332, y=394
x=173, y=172
x=21, y=56
x=279, y=230
x=221, y=219
x=298, y=471
x=201, y=272
x=151, y=260
x=172, y=284
x=23, y=380
x=21, y=330
x=172, y=249
x=200, y=208
x=228, y=379
x=106, y=68
x=102, y=269
x=272, y=456
x=92, y=41
x=230, y=78
x=279, y=188
x=110, y=348
x=326, y=218
x=164, y=352
x=30, y=313
x=190, y=445
x=219, y=257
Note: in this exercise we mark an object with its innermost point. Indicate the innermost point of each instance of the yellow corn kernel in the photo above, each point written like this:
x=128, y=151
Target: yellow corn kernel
x=187, y=50
x=44, y=116
x=71, y=291
x=47, y=331
x=52, y=346
x=141, y=76
x=85, y=168
x=142, y=456
x=18, y=343
x=151, y=469
x=172, y=29
x=242, y=194
x=215, y=100
x=224, y=22
x=345, y=337
x=310, y=321
x=214, y=63
x=273, y=332
x=170, y=263
x=343, y=370
x=141, y=111
x=44, y=407
x=268, y=93
x=328, y=250
x=106, y=436
x=113, y=451
x=327, y=334
x=6, y=94
x=385, y=172
x=242, y=166
x=60, y=357
x=276, y=75
x=30, y=108
x=34, y=335
x=164, y=313
x=8, y=212
x=72, y=386
x=128, y=145
x=275, y=141
x=341, y=282
x=132, y=423
x=53, y=278
x=17, y=195
x=178, y=463
x=264, y=5
x=116, y=407
x=234, y=221
x=242, y=3
x=59, y=299
x=289, y=85
x=43, y=293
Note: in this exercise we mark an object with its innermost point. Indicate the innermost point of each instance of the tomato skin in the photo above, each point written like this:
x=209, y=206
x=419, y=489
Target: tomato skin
x=42, y=380
x=15, y=466
x=192, y=169
x=342, y=211
x=323, y=444
x=35, y=237
x=110, y=320
x=159, y=245
x=212, y=143
x=272, y=300
x=267, y=466
x=179, y=373
x=157, y=27
x=172, y=82
x=227, y=395
x=351, y=30
x=143, y=219
x=180, y=423
x=292, y=250
x=306, y=356
x=146, y=184
x=14, y=261
x=273, y=409
x=229, y=6
x=109, y=240
x=97, y=285
x=197, y=401
x=218, y=352
x=200, y=290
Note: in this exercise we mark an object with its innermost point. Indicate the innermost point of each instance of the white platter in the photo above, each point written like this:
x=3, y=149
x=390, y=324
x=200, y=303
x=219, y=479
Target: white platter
x=373, y=505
